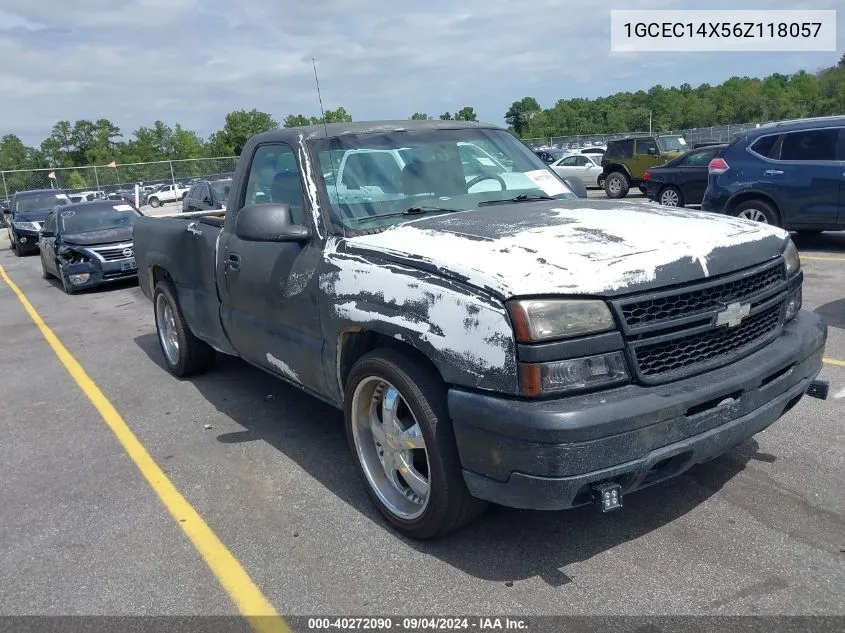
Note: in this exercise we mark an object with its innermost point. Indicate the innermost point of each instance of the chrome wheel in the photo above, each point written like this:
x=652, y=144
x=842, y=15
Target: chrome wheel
x=756, y=215
x=670, y=198
x=166, y=326
x=614, y=186
x=390, y=447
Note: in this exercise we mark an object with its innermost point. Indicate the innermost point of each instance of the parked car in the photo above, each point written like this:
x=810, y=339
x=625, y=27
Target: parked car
x=26, y=214
x=627, y=159
x=546, y=156
x=594, y=150
x=510, y=343
x=789, y=175
x=207, y=195
x=682, y=180
x=585, y=167
x=88, y=244
x=166, y=193
x=83, y=196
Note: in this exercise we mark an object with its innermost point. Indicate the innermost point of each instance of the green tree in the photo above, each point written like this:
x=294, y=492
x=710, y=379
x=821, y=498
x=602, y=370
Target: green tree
x=12, y=152
x=521, y=112
x=58, y=146
x=240, y=126
x=186, y=144
x=466, y=114
x=419, y=116
x=296, y=120
x=446, y=117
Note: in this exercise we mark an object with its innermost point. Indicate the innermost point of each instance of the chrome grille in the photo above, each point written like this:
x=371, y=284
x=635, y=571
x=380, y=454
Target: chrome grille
x=672, y=334
x=114, y=253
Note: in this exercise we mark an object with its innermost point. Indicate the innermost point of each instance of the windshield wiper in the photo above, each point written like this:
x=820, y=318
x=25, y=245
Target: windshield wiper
x=520, y=198
x=409, y=211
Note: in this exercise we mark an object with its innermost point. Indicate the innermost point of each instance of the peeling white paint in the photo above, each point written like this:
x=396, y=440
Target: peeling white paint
x=282, y=367
x=310, y=185
x=590, y=251
x=446, y=319
x=297, y=281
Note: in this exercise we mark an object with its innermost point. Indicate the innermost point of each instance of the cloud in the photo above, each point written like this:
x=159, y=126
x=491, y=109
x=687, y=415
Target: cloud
x=192, y=61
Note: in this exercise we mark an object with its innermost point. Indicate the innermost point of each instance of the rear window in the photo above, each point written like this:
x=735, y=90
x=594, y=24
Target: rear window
x=765, y=146
x=620, y=149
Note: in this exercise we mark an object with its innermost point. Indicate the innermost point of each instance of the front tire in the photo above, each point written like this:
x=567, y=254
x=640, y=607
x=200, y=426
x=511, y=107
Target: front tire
x=757, y=211
x=671, y=197
x=184, y=354
x=400, y=433
x=616, y=185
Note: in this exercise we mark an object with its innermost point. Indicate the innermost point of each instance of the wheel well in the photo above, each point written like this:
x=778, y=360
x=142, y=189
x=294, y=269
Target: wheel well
x=157, y=274
x=737, y=200
x=353, y=344
x=617, y=168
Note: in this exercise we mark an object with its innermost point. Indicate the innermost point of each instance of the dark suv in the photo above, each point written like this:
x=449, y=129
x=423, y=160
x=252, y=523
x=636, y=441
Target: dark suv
x=790, y=174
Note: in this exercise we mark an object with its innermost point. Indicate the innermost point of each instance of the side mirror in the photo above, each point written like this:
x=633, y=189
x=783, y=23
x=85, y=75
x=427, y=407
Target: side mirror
x=577, y=187
x=269, y=223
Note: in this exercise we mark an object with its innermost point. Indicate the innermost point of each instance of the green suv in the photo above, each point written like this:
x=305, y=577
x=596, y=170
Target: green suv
x=627, y=159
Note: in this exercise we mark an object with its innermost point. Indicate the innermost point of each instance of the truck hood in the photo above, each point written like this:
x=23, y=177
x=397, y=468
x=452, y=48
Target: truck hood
x=577, y=247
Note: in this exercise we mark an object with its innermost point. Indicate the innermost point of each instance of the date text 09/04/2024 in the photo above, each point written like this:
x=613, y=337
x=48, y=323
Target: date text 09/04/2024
x=418, y=624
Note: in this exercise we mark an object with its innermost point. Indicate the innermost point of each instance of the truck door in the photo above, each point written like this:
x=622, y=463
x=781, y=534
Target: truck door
x=270, y=306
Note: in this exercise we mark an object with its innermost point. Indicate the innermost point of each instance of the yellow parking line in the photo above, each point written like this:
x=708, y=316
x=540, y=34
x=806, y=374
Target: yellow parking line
x=830, y=361
x=248, y=598
x=824, y=259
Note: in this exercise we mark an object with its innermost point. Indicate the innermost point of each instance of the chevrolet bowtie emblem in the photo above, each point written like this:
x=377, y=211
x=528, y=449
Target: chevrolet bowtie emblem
x=733, y=314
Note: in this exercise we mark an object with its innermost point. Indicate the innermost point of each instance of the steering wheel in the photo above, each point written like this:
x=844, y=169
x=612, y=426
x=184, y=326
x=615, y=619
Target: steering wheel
x=482, y=177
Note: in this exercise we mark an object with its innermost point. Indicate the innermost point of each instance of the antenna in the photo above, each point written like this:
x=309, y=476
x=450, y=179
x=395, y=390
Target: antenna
x=326, y=131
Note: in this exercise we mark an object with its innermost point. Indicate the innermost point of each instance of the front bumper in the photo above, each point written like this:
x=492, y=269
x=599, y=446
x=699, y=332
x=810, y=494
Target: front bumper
x=547, y=455
x=100, y=272
x=26, y=238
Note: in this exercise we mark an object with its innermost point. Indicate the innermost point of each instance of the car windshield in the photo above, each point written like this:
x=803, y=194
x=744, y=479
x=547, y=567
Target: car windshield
x=98, y=218
x=672, y=143
x=40, y=202
x=221, y=189
x=372, y=180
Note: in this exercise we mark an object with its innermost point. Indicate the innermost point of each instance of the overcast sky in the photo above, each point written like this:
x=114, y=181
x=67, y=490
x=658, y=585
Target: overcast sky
x=192, y=61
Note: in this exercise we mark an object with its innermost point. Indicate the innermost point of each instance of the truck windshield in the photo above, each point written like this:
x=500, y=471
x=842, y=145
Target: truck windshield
x=371, y=179
x=98, y=218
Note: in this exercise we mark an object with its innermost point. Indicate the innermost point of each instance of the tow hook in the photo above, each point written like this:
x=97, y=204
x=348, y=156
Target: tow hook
x=608, y=495
x=818, y=389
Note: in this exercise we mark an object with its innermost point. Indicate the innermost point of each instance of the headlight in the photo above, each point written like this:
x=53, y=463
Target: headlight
x=792, y=259
x=537, y=320
x=26, y=226
x=574, y=374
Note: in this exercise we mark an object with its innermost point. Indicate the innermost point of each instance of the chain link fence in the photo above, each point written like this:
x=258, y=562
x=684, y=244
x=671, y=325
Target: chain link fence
x=716, y=133
x=109, y=178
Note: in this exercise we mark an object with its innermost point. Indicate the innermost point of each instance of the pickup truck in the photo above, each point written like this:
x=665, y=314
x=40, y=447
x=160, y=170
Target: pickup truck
x=167, y=193
x=513, y=343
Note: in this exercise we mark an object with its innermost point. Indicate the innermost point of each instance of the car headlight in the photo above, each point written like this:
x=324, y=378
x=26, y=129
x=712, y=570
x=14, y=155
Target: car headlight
x=573, y=374
x=536, y=320
x=26, y=226
x=791, y=258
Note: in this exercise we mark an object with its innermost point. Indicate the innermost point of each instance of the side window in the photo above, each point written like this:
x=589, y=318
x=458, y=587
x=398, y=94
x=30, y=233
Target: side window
x=569, y=161
x=699, y=159
x=765, y=146
x=204, y=192
x=581, y=160
x=810, y=145
x=274, y=178
x=643, y=145
x=50, y=222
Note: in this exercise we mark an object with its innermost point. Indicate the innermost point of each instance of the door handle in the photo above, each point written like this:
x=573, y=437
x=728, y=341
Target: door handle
x=773, y=172
x=233, y=261
x=194, y=228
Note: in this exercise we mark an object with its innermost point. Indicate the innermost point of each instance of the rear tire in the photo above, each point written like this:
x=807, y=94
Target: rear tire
x=757, y=211
x=154, y=203
x=616, y=185
x=184, y=354
x=671, y=197
x=419, y=398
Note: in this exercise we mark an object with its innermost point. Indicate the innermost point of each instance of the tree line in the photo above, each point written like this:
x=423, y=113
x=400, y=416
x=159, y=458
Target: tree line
x=737, y=100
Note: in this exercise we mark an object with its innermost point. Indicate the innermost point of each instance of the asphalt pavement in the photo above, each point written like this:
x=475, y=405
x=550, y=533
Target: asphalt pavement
x=760, y=530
